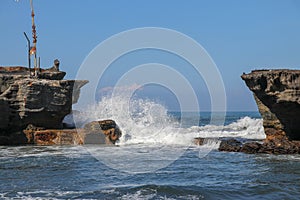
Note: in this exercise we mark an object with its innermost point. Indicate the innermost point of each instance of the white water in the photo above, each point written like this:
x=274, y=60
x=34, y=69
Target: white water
x=147, y=122
x=245, y=127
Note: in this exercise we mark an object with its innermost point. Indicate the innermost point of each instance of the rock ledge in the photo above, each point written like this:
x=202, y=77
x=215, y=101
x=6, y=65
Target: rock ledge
x=277, y=94
x=33, y=109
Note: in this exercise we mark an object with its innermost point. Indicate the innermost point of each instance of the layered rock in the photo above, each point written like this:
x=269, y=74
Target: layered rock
x=57, y=137
x=277, y=94
x=43, y=101
x=33, y=109
x=96, y=132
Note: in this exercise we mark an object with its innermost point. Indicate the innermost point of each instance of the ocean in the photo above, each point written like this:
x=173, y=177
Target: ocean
x=155, y=159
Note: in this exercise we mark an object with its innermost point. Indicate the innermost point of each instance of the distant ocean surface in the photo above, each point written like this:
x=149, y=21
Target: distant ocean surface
x=153, y=161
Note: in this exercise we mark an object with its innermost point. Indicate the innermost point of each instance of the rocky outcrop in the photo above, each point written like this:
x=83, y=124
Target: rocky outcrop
x=96, y=132
x=43, y=101
x=271, y=146
x=231, y=145
x=57, y=137
x=33, y=109
x=108, y=128
x=277, y=94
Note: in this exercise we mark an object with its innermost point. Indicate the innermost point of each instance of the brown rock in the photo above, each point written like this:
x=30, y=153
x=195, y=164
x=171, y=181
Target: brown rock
x=30, y=131
x=90, y=134
x=23, y=72
x=251, y=147
x=57, y=137
x=42, y=102
x=231, y=145
x=277, y=94
x=32, y=110
x=109, y=128
x=280, y=146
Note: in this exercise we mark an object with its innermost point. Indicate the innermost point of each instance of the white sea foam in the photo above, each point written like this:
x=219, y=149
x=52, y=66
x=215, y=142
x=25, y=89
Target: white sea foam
x=147, y=122
x=245, y=127
x=41, y=151
x=140, y=194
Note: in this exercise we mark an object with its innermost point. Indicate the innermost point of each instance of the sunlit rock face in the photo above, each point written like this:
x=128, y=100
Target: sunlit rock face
x=42, y=101
x=104, y=132
x=277, y=94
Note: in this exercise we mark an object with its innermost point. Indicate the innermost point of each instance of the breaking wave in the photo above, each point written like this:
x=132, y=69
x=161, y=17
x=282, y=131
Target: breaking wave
x=144, y=121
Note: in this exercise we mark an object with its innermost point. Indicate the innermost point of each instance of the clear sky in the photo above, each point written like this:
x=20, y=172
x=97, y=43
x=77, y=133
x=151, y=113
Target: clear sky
x=239, y=35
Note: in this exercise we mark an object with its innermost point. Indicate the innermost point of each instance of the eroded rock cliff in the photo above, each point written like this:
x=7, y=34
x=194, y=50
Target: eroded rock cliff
x=277, y=94
x=96, y=132
x=43, y=101
x=32, y=110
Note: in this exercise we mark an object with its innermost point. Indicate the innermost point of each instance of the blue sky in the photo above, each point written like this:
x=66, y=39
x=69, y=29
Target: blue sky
x=239, y=35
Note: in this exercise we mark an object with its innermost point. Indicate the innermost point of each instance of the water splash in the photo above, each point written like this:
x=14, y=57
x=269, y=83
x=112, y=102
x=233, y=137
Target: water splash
x=141, y=120
x=152, y=139
x=245, y=127
x=144, y=121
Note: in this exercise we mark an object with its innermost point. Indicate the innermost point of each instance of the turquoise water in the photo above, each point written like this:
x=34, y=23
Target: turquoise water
x=76, y=172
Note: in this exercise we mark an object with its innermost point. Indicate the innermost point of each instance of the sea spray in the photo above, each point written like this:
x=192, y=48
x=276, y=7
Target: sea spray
x=144, y=121
x=152, y=138
x=245, y=127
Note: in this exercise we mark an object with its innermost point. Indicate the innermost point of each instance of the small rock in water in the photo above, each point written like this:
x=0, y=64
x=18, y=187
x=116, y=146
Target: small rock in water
x=231, y=145
x=108, y=128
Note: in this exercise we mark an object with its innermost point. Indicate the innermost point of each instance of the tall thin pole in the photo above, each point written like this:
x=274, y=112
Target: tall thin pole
x=29, y=60
x=33, y=48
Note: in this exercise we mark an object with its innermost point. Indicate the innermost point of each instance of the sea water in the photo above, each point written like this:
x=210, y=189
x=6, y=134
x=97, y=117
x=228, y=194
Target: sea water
x=154, y=159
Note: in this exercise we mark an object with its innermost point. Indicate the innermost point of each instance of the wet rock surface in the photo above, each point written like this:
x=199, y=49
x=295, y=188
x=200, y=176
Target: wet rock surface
x=107, y=128
x=57, y=137
x=96, y=132
x=268, y=146
x=231, y=145
x=277, y=94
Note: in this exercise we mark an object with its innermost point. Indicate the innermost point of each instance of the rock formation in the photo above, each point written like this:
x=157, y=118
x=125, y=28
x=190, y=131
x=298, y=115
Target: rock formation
x=277, y=94
x=33, y=109
x=231, y=145
x=272, y=146
x=108, y=128
x=96, y=132
x=44, y=101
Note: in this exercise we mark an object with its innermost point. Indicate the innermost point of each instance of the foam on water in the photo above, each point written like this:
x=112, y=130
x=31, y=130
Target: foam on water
x=143, y=121
x=40, y=151
x=245, y=127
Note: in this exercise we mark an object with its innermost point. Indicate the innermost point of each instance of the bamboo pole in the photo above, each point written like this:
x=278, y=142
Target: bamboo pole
x=33, y=49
